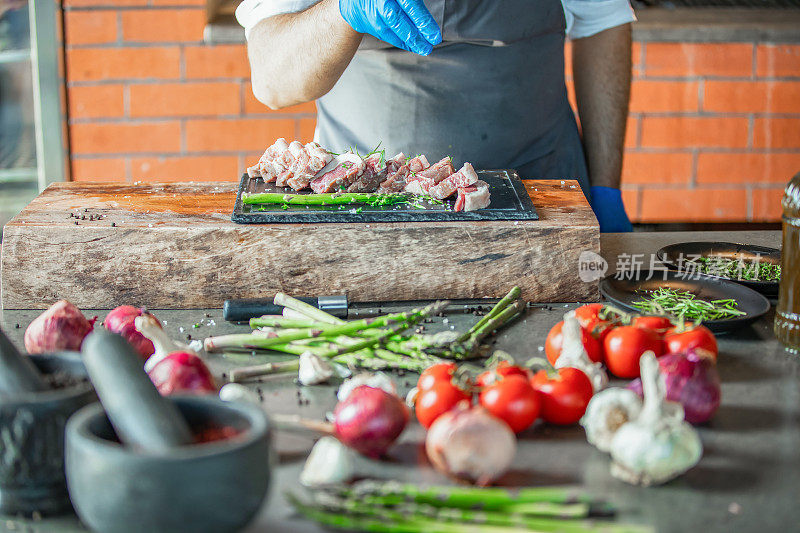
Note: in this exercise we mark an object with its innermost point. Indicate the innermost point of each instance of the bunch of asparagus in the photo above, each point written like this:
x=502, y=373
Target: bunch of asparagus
x=379, y=343
x=393, y=507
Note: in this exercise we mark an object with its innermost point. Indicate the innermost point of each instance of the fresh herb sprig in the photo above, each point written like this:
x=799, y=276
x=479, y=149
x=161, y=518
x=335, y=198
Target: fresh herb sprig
x=686, y=305
x=737, y=269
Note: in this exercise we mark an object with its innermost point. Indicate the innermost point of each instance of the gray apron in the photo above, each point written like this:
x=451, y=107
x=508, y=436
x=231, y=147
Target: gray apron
x=492, y=93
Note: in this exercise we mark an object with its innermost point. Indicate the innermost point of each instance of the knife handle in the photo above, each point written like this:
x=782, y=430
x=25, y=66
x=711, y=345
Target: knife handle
x=243, y=309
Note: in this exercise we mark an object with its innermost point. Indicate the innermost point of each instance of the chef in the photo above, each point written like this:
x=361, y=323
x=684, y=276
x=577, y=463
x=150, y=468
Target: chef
x=479, y=80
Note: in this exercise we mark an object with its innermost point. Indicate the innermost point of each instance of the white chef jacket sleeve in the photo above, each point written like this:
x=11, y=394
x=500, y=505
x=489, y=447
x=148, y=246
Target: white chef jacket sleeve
x=251, y=12
x=587, y=17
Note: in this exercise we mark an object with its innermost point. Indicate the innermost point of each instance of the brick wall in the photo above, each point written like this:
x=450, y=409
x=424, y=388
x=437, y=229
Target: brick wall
x=714, y=131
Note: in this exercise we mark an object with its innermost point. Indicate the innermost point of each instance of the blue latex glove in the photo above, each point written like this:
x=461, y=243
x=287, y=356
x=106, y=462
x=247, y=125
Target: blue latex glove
x=406, y=24
x=608, y=208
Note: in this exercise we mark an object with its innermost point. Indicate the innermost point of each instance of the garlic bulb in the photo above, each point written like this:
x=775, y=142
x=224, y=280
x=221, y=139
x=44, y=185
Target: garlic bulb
x=313, y=370
x=607, y=411
x=379, y=380
x=574, y=355
x=658, y=445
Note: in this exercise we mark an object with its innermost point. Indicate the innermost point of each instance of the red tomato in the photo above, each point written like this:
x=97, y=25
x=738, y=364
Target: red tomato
x=552, y=345
x=588, y=315
x=625, y=345
x=434, y=374
x=565, y=396
x=694, y=337
x=659, y=324
x=502, y=370
x=437, y=400
x=512, y=400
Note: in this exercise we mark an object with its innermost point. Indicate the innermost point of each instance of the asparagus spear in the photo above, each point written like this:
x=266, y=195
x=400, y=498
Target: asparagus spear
x=336, y=198
x=269, y=321
x=512, y=295
x=306, y=309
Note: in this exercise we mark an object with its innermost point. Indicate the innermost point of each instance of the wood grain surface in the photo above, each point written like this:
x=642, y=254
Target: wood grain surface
x=173, y=246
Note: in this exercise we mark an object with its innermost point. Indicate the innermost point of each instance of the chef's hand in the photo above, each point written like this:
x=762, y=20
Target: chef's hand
x=406, y=24
x=608, y=208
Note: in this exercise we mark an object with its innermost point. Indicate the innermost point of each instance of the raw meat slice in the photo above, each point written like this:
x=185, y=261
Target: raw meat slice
x=415, y=164
x=283, y=177
x=438, y=171
x=476, y=196
x=465, y=177
x=396, y=182
x=394, y=164
x=374, y=173
x=419, y=185
x=347, y=168
x=266, y=166
x=319, y=156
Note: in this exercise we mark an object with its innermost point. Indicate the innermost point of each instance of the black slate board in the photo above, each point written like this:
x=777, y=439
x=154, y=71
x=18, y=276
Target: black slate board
x=509, y=201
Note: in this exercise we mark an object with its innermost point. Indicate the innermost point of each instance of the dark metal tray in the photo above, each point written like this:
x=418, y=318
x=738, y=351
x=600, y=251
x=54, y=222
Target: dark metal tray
x=510, y=201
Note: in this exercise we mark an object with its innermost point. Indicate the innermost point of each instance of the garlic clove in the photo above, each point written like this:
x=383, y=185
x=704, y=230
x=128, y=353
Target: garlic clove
x=607, y=411
x=313, y=370
x=236, y=392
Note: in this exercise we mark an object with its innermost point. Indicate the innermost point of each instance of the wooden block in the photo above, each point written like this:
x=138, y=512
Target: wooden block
x=173, y=246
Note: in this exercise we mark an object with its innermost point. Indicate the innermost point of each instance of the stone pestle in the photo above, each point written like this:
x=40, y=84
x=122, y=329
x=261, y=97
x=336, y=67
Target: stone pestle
x=18, y=374
x=141, y=417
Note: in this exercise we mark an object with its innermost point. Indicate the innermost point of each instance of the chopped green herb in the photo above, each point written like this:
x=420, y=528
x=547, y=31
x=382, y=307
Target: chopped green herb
x=737, y=268
x=686, y=305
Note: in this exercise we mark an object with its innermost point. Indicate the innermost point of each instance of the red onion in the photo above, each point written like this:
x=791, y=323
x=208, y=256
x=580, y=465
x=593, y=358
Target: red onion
x=61, y=327
x=469, y=443
x=691, y=380
x=182, y=372
x=369, y=420
x=120, y=320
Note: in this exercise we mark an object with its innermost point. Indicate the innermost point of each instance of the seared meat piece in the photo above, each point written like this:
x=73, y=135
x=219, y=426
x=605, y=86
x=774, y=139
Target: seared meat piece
x=374, y=173
x=476, y=196
x=465, y=177
x=347, y=168
x=268, y=166
x=311, y=160
x=438, y=171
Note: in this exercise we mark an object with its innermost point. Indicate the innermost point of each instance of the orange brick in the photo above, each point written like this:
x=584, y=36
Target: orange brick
x=767, y=205
x=159, y=25
x=223, y=61
x=746, y=167
x=703, y=59
x=178, y=2
x=689, y=132
x=693, y=205
x=90, y=27
x=106, y=138
x=91, y=64
x=103, y=3
x=98, y=169
x=188, y=168
x=184, y=99
x=305, y=129
x=236, y=134
x=650, y=96
x=630, y=199
x=752, y=96
x=96, y=101
x=636, y=55
x=776, y=133
x=632, y=132
x=658, y=168
x=774, y=60
x=254, y=107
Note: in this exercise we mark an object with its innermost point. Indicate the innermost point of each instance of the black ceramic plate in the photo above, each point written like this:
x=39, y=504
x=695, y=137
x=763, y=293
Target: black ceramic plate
x=623, y=292
x=673, y=254
x=509, y=201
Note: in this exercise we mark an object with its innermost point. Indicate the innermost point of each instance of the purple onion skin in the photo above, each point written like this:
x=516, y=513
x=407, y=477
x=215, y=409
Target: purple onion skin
x=691, y=380
x=369, y=420
x=61, y=327
x=182, y=373
x=121, y=320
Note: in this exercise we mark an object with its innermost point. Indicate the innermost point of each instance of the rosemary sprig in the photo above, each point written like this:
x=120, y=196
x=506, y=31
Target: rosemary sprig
x=686, y=305
x=737, y=268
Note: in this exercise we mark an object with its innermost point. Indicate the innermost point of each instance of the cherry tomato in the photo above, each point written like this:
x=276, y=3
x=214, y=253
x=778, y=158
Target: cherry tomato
x=625, y=345
x=434, y=374
x=502, y=370
x=437, y=400
x=565, y=396
x=659, y=324
x=588, y=315
x=552, y=345
x=694, y=337
x=512, y=400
